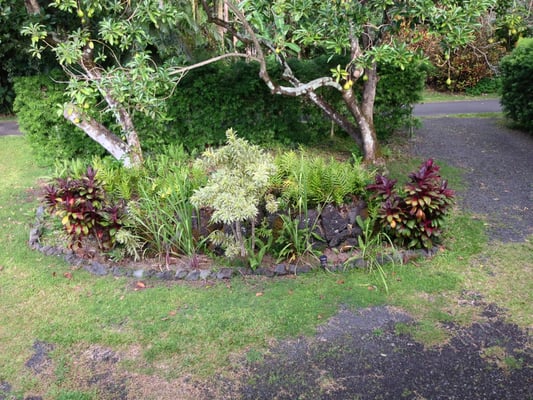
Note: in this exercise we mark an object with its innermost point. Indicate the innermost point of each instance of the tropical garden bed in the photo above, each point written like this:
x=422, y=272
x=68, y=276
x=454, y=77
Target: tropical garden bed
x=238, y=210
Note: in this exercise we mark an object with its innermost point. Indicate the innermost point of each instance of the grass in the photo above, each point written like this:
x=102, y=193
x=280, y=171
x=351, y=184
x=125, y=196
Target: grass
x=432, y=96
x=499, y=115
x=168, y=331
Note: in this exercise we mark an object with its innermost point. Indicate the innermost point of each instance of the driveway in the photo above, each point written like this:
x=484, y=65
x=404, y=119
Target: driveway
x=457, y=107
x=9, y=128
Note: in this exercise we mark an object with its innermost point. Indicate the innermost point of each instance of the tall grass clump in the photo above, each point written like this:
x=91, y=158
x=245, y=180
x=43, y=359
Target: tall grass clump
x=162, y=213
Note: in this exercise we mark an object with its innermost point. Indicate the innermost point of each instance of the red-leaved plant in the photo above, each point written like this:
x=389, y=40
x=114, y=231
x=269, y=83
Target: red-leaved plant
x=84, y=210
x=413, y=217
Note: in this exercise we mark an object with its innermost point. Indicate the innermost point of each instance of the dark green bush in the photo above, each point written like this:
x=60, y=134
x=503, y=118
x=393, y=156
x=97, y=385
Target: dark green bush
x=397, y=93
x=517, y=84
x=50, y=135
x=413, y=217
x=485, y=86
x=210, y=100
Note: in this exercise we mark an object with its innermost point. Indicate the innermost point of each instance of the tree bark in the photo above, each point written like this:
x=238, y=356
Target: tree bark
x=32, y=7
x=366, y=126
x=100, y=134
x=122, y=116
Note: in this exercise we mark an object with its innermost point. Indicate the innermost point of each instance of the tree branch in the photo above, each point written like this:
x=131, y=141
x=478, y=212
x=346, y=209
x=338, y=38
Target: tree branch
x=182, y=70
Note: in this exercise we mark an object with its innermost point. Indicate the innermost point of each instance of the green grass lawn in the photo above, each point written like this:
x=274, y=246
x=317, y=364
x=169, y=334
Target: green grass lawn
x=169, y=330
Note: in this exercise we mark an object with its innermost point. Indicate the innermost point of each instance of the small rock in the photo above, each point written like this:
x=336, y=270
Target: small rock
x=194, y=275
x=299, y=269
x=280, y=270
x=151, y=273
x=39, y=213
x=138, y=273
x=181, y=273
x=244, y=271
x=383, y=259
x=205, y=274
x=165, y=275
x=73, y=259
x=225, y=273
x=35, y=235
x=356, y=263
x=264, y=272
x=45, y=249
x=117, y=271
x=96, y=268
x=335, y=268
x=52, y=251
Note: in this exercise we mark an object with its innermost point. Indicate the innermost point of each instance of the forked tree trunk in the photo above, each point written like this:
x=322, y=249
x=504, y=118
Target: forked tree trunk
x=127, y=151
x=363, y=132
x=364, y=114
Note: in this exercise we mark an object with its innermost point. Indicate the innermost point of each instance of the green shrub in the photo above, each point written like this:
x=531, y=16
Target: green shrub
x=50, y=135
x=211, y=100
x=239, y=176
x=84, y=209
x=397, y=93
x=161, y=212
x=517, y=84
x=485, y=86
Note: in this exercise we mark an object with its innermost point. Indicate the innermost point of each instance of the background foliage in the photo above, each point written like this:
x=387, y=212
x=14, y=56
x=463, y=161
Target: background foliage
x=207, y=102
x=517, y=84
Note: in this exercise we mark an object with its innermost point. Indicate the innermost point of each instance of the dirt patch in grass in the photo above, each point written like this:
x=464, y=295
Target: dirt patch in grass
x=357, y=354
x=361, y=355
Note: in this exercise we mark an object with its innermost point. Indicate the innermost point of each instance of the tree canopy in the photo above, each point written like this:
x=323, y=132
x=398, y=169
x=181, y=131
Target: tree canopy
x=369, y=32
x=124, y=57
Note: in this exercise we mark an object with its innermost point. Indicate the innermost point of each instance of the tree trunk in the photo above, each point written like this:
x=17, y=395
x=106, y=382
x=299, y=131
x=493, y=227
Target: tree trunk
x=103, y=136
x=132, y=145
x=365, y=121
x=32, y=7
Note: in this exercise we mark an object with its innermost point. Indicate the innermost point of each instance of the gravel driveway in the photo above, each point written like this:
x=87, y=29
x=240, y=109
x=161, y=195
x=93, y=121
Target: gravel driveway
x=498, y=169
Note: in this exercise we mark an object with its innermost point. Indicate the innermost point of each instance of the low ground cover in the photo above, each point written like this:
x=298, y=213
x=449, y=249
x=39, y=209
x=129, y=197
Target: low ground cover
x=148, y=336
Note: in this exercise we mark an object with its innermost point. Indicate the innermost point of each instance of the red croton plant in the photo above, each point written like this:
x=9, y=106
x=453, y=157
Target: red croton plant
x=84, y=209
x=413, y=216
